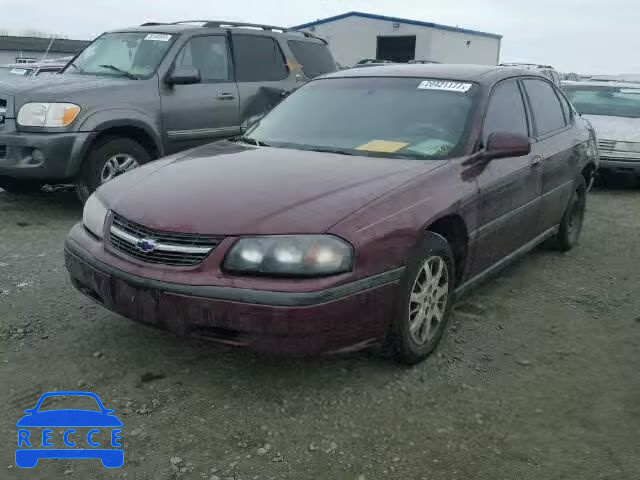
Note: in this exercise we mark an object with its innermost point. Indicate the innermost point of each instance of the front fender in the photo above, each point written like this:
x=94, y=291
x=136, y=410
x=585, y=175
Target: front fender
x=104, y=120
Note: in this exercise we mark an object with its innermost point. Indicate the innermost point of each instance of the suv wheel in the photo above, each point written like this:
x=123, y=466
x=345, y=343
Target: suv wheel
x=424, y=304
x=109, y=158
x=572, y=219
x=13, y=185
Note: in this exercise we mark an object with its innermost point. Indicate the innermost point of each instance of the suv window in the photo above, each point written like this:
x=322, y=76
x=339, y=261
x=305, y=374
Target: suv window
x=209, y=55
x=258, y=59
x=506, y=112
x=314, y=58
x=546, y=107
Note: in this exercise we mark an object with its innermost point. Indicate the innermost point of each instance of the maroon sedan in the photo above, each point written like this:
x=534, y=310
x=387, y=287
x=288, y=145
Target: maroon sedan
x=350, y=216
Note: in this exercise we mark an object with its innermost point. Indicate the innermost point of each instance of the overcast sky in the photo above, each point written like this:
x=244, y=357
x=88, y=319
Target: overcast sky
x=586, y=36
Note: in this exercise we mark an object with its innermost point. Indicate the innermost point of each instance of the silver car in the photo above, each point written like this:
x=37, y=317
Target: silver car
x=34, y=69
x=613, y=108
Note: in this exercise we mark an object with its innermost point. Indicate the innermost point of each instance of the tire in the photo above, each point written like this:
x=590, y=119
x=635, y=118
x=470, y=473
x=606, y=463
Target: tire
x=107, y=159
x=572, y=219
x=14, y=185
x=412, y=345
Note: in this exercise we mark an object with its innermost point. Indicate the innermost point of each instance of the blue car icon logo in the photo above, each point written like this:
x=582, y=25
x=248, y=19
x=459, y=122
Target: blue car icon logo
x=97, y=429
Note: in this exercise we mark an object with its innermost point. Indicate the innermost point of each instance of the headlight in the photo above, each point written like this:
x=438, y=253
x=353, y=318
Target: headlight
x=94, y=216
x=47, y=114
x=300, y=255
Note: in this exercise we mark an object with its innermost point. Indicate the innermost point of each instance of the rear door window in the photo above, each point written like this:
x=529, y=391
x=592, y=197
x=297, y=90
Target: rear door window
x=314, y=58
x=506, y=112
x=258, y=59
x=547, y=111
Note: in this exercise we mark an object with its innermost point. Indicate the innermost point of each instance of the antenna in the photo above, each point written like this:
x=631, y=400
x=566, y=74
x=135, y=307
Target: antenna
x=53, y=38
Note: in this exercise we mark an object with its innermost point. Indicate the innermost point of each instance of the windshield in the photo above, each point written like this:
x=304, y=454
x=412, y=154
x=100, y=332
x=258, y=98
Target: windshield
x=394, y=117
x=134, y=54
x=618, y=101
x=11, y=72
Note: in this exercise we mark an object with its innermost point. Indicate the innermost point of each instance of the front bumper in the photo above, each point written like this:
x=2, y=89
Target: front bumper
x=617, y=165
x=57, y=158
x=340, y=319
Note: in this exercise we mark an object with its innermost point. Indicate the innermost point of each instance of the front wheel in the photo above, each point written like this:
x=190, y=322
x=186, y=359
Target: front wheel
x=425, y=300
x=109, y=158
x=572, y=219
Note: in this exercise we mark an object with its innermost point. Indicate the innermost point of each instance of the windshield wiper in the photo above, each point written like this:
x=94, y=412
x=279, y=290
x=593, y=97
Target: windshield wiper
x=331, y=150
x=251, y=141
x=119, y=70
x=76, y=67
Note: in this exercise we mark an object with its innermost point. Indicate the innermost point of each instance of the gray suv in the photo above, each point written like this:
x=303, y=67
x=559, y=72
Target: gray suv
x=141, y=93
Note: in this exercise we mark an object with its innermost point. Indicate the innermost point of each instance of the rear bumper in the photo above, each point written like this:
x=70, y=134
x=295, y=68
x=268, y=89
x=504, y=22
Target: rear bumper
x=345, y=318
x=41, y=156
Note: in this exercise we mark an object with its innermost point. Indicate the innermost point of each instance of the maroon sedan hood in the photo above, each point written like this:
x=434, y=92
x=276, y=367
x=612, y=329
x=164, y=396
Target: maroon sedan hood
x=228, y=189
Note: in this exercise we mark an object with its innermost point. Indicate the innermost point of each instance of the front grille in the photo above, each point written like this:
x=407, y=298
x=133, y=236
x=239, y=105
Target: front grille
x=3, y=110
x=607, y=144
x=171, y=248
x=3, y=151
x=616, y=158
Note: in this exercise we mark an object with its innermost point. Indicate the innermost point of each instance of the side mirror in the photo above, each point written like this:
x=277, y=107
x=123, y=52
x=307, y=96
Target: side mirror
x=184, y=76
x=503, y=144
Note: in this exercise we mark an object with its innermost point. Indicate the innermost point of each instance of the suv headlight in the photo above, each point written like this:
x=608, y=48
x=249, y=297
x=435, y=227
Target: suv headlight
x=290, y=255
x=94, y=215
x=47, y=114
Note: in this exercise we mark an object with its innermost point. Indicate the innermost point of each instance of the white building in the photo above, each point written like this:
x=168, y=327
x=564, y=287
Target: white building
x=355, y=36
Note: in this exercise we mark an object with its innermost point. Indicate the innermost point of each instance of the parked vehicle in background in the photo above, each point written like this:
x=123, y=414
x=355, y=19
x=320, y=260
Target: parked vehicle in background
x=358, y=224
x=372, y=62
x=614, y=111
x=137, y=94
x=423, y=61
x=546, y=70
x=13, y=70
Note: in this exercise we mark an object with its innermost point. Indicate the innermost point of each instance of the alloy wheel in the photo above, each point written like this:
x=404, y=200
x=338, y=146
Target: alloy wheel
x=117, y=165
x=428, y=300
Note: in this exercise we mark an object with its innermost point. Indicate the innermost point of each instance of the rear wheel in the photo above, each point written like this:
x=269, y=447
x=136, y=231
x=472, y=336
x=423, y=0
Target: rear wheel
x=425, y=300
x=572, y=219
x=109, y=158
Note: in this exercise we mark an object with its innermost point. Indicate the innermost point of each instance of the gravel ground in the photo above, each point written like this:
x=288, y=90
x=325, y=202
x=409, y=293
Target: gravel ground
x=538, y=377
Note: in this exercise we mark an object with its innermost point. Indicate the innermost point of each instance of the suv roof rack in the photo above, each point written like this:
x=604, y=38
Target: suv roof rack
x=225, y=24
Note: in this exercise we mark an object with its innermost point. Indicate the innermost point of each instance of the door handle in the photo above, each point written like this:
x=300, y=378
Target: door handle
x=225, y=96
x=536, y=162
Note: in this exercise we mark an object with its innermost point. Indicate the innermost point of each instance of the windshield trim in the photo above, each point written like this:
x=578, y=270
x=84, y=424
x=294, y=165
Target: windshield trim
x=172, y=42
x=461, y=147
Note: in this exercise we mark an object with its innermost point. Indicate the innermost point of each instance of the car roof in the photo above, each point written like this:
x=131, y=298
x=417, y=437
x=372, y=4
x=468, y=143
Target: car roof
x=206, y=26
x=483, y=74
x=601, y=83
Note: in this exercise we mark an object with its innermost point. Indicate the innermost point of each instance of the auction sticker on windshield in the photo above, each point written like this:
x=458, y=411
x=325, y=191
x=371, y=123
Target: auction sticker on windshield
x=448, y=86
x=158, y=37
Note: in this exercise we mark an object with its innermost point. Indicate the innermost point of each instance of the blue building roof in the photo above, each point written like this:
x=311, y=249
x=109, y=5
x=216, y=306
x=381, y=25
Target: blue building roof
x=396, y=20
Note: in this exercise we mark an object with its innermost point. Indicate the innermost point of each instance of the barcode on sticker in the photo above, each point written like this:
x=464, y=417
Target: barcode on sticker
x=445, y=85
x=158, y=37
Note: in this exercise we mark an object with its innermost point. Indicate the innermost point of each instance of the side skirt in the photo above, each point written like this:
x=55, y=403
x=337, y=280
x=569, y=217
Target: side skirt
x=496, y=267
